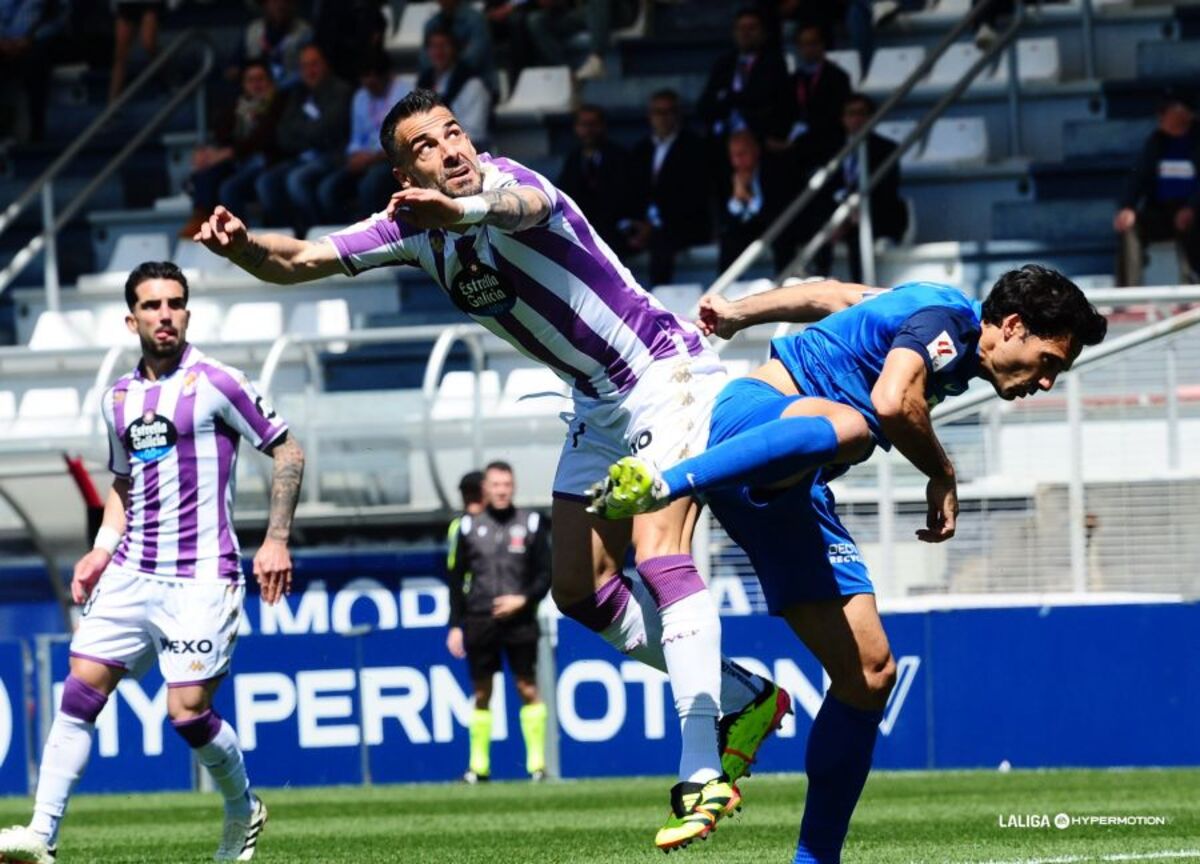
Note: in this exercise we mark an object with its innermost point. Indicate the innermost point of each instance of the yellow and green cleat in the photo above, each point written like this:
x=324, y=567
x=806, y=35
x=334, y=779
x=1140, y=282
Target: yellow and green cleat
x=743, y=732
x=695, y=810
x=633, y=486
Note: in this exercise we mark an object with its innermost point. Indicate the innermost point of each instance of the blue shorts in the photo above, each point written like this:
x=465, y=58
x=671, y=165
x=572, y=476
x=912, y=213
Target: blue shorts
x=800, y=550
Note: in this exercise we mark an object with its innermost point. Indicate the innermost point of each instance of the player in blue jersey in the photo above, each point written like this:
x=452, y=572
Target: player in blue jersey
x=867, y=374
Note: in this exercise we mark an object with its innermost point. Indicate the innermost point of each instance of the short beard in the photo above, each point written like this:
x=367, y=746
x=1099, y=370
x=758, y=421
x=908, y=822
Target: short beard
x=150, y=348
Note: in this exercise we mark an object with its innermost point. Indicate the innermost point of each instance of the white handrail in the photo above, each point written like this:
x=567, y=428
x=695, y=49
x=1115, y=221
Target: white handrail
x=468, y=334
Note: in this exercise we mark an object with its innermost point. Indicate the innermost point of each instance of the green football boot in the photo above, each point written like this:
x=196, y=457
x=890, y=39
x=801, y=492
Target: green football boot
x=743, y=732
x=695, y=810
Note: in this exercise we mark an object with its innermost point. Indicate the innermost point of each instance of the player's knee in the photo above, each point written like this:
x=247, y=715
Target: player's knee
x=878, y=680
x=853, y=433
x=81, y=700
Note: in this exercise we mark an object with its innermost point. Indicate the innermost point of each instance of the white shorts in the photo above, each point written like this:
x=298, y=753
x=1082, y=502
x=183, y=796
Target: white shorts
x=663, y=419
x=192, y=626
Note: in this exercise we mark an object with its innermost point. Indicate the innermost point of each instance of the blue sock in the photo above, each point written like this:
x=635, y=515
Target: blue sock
x=763, y=455
x=837, y=762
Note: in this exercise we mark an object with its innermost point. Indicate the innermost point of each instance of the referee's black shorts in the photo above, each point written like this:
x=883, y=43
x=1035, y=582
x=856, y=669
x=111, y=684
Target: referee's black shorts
x=486, y=639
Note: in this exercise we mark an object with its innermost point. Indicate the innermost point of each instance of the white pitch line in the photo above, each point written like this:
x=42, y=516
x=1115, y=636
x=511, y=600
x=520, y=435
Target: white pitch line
x=1124, y=856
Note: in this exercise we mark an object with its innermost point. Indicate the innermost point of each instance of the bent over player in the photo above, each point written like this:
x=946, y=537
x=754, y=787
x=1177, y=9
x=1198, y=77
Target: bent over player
x=165, y=575
x=518, y=256
x=868, y=374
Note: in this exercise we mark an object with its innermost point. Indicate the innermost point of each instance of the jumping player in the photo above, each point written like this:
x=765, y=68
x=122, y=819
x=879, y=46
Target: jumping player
x=165, y=574
x=867, y=374
x=518, y=256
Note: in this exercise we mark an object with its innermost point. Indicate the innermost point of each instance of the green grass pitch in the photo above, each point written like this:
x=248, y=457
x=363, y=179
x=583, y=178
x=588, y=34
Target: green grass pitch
x=903, y=817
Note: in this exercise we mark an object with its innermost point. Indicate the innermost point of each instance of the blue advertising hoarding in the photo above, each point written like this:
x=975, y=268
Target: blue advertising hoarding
x=15, y=708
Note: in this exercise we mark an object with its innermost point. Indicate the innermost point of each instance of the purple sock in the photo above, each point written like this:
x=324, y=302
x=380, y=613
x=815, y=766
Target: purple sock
x=603, y=608
x=670, y=578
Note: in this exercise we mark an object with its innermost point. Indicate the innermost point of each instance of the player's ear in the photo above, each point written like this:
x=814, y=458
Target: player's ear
x=1013, y=326
x=131, y=322
x=403, y=179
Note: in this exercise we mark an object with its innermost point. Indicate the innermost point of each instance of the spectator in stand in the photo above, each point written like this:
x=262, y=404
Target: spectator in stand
x=795, y=14
x=889, y=213
x=754, y=196
x=278, y=37
x=820, y=88
x=473, y=36
x=312, y=136
x=365, y=177
x=139, y=15
x=459, y=85
x=748, y=86
x=554, y=22
x=224, y=173
x=509, y=24
x=347, y=31
x=1162, y=196
x=596, y=175
x=26, y=30
x=669, y=181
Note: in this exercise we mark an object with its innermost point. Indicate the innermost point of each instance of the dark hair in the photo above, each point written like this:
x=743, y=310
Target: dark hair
x=665, y=93
x=862, y=98
x=375, y=63
x=498, y=465
x=148, y=270
x=592, y=108
x=443, y=31
x=471, y=487
x=1049, y=304
x=805, y=26
x=419, y=101
x=258, y=63
x=751, y=12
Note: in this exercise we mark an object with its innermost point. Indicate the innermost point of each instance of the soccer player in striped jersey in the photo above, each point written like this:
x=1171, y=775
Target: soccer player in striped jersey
x=518, y=256
x=165, y=575
x=867, y=373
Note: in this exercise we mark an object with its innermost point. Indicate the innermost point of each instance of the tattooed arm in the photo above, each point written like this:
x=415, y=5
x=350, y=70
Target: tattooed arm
x=271, y=257
x=273, y=563
x=513, y=209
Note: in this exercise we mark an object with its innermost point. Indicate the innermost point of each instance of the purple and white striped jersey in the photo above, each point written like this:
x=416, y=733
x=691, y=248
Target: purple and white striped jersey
x=555, y=292
x=176, y=439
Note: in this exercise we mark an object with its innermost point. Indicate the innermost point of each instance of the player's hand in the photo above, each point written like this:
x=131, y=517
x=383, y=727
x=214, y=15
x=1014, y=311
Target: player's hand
x=454, y=643
x=273, y=570
x=508, y=605
x=1124, y=219
x=1184, y=217
x=425, y=208
x=223, y=234
x=941, y=494
x=88, y=571
x=719, y=316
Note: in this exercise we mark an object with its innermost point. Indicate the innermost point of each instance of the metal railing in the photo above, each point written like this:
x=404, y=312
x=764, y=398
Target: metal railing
x=43, y=186
x=867, y=181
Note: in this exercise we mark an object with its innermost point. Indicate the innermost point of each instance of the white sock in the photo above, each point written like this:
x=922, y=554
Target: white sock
x=223, y=758
x=64, y=758
x=691, y=642
x=639, y=634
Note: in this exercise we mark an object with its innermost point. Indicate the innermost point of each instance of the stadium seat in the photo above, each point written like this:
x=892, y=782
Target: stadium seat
x=956, y=141
x=1038, y=60
x=46, y=411
x=851, y=64
x=252, y=322
x=540, y=90
x=955, y=7
x=898, y=130
x=318, y=231
x=55, y=331
x=132, y=249
x=8, y=405
x=680, y=299
x=320, y=318
x=110, y=326
x=537, y=384
x=204, y=328
x=455, y=398
x=891, y=66
x=193, y=256
x=953, y=65
x=410, y=32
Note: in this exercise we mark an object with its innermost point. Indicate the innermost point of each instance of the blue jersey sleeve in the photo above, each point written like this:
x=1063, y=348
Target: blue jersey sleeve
x=940, y=335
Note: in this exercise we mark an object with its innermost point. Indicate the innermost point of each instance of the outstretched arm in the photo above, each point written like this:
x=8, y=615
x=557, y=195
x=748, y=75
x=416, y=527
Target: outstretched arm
x=273, y=563
x=801, y=304
x=270, y=257
x=514, y=208
x=900, y=403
